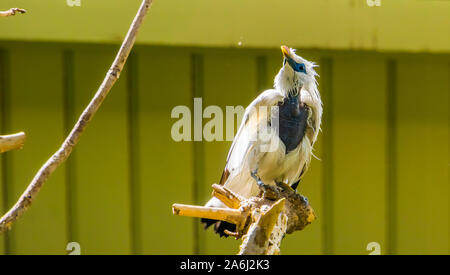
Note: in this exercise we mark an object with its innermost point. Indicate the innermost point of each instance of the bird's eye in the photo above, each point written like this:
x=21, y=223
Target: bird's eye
x=300, y=67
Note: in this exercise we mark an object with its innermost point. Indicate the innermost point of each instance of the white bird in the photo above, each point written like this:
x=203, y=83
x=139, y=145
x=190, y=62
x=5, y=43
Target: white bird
x=276, y=147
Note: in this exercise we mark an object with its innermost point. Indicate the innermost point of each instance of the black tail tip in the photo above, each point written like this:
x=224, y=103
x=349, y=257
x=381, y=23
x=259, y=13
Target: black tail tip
x=219, y=226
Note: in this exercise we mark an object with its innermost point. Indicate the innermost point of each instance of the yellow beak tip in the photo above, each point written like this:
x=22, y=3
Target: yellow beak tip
x=285, y=50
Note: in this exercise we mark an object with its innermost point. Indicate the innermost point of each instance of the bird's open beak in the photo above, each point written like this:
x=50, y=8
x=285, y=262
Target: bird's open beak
x=285, y=51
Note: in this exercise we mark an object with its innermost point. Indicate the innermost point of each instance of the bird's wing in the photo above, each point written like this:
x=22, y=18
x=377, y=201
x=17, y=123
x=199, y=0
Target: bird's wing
x=242, y=142
x=313, y=101
x=312, y=126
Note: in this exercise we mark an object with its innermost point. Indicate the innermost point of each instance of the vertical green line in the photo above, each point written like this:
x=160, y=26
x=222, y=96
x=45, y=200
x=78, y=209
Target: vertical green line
x=261, y=77
x=133, y=146
x=391, y=188
x=198, y=153
x=326, y=65
x=69, y=120
x=4, y=128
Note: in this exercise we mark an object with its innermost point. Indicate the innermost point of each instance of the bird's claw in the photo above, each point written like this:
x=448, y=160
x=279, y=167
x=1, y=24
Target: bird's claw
x=284, y=186
x=269, y=191
x=261, y=184
x=305, y=199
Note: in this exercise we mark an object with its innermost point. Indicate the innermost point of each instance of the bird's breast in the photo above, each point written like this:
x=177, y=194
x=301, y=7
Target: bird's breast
x=293, y=117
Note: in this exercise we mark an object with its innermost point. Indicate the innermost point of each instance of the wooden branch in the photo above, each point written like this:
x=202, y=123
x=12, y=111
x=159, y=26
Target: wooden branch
x=261, y=221
x=277, y=212
x=72, y=139
x=12, y=142
x=256, y=241
x=228, y=197
x=224, y=214
x=277, y=235
x=11, y=12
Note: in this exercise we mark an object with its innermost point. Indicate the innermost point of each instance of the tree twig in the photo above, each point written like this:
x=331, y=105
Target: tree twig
x=228, y=197
x=214, y=213
x=11, y=12
x=12, y=142
x=72, y=139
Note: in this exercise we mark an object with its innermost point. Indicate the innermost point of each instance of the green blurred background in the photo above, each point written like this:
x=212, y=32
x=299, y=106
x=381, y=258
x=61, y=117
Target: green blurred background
x=384, y=156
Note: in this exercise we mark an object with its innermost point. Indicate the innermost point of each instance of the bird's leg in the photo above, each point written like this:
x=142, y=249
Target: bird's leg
x=269, y=192
x=257, y=178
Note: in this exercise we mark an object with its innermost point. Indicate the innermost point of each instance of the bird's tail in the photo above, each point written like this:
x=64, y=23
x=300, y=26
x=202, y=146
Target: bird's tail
x=219, y=226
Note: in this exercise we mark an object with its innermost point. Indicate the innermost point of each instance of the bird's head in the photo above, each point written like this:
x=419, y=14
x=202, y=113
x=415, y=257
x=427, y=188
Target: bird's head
x=295, y=73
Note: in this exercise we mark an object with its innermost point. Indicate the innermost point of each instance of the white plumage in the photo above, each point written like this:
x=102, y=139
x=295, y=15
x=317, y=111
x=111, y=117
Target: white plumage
x=268, y=157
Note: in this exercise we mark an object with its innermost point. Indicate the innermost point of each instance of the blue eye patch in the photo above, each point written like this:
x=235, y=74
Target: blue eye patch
x=298, y=67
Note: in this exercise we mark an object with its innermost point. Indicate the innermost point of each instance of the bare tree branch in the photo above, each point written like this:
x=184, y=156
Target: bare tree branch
x=11, y=12
x=261, y=221
x=12, y=142
x=72, y=139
